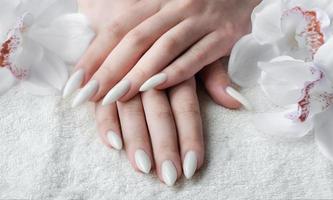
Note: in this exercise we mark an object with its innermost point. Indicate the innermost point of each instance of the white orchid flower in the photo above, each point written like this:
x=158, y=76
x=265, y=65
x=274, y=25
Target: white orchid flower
x=305, y=91
x=295, y=28
x=289, y=54
x=39, y=39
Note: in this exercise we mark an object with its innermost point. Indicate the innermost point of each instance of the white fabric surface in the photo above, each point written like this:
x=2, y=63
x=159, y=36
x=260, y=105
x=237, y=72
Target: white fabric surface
x=50, y=151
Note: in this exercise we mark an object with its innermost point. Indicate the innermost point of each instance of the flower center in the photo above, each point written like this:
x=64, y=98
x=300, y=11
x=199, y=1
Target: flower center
x=4, y=52
x=307, y=29
x=10, y=46
x=310, y=101
x=304, y=104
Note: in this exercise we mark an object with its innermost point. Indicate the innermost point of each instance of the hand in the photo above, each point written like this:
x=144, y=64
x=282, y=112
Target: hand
x=173, y=38
x=153, y=127
x=158, y=129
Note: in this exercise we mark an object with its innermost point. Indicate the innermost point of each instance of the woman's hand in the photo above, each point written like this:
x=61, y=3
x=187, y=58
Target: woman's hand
x=159, y=129
x=174, y=39
x=164, y=127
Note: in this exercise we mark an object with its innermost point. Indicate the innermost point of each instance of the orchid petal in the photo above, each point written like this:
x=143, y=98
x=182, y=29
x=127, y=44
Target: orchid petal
x=278, y=124
x=28, y=54
x=7, y=16
x=67, y=36
x=286, y=69
x=47, y=10
x=50, y=72
x=266, y=17
x=56, y=9
x=325, y=5
x=7, y=80
x=243, y=64
x=324, y=59
x=324, y=132
x=279, y=92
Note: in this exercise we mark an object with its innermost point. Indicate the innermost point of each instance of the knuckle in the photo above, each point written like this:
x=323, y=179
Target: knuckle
x=133, y=110
x=104, y=73
x=193, y=140
x=190, y=108
x=199, y=54
x=106, y=120
x=187, y=4
x=164, y=114
x=137, y=37
x=115, y=29
x=167, y=147
x=180, y=72
x=192, y=6
x=141, y=72
x=170, y=44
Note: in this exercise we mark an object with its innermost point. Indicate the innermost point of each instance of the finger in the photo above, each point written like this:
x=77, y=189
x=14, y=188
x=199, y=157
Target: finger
x=128, y=52
x=204, y=52
x=163, y=135
x=185, y=107
x=161, y=54
x=219, y=86
x=107, y=38
x=135, y=134
x=108, y=125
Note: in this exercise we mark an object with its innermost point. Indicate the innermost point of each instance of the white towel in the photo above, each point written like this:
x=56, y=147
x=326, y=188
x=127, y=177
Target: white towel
x=50, y=151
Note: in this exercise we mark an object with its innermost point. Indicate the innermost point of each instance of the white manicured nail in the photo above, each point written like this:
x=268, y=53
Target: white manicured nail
x=115, y=140
x=190, y=164
x=86, y=93
x=73, y=83
x=116, y=92
x=142, y=160
x=153, y=82
x=169, y=173
x=239, y=97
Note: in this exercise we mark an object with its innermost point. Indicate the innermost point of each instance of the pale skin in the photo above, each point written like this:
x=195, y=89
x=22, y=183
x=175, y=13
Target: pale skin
x=172, y=37
x=165, y=124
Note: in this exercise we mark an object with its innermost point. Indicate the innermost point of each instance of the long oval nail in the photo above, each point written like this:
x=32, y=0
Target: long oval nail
x=142, y=161
x=73, y=83
x=116, y=92
x=153, y=82
x=190, y=164
x=169, y=172
x=86, y=93
x=115, y=140
x=239, y=97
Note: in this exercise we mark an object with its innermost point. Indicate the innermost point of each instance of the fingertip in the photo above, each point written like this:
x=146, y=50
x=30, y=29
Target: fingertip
x=216, y=89
x=221, y=97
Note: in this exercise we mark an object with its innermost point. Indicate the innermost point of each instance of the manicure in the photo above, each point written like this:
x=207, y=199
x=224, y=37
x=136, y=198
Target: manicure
x=153, y=82
x=169, y=173
x=86, y=93
x=116, y=92
x=115, y=140
x=142, y=161
x=73, y=83
x=239, y=97
x=190, y=164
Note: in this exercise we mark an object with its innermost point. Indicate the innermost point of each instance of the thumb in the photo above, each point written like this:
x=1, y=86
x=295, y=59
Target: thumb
x=220, y=88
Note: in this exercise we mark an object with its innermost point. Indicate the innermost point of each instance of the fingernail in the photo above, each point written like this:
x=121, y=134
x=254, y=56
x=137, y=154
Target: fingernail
x=190, y=164
x=116, y=92
x=153, y=82
x=239, y=97
x=73, y=83
x=169, y=173
x=86, y=93
x=142, y=160
x=115, y=140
